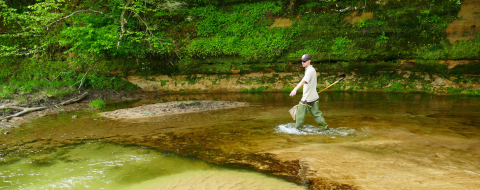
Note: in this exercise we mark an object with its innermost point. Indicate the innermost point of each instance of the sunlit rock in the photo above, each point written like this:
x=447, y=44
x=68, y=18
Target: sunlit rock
x=465, y=27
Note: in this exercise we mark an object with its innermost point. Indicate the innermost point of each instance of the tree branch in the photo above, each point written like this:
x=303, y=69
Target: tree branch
x=151, y=34
x=24, y=110
x=16, y=52
x=82, y=11
x=146, y=28
x=81, y=80
x=27, y=110
x=76, y=99
x=17, y=21
x=342, y=10
x=122, y=22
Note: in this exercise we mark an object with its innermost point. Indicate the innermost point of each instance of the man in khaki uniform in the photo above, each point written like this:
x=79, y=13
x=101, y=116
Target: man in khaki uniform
x=309, y=102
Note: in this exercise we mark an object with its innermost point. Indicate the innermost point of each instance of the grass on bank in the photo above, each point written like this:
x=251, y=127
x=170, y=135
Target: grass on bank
x=40, y=89
x=97, y=104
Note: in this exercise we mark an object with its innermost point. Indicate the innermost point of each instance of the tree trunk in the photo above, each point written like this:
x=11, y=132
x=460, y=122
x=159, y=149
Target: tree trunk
x=292, y=6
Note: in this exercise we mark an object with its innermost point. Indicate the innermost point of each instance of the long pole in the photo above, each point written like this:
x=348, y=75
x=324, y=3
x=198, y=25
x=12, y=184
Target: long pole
x=343, y=76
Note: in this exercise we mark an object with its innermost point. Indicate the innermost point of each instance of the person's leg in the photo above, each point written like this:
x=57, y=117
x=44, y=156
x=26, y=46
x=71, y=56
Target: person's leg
x=317, y=116
x=300, y=117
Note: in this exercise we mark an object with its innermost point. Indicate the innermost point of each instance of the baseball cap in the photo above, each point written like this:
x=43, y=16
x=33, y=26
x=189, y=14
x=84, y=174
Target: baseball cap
x=306, y=57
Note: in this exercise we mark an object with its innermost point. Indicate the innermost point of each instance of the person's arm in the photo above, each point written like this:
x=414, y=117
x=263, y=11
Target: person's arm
x=300, y=84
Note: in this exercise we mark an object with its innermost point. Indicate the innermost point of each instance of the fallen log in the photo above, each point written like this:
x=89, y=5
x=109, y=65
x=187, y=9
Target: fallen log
x=76, y=99
x=24, y=110
x=27, y=110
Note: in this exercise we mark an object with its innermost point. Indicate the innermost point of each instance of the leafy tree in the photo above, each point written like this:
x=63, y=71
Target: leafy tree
x=98, y=30
x=42, y=33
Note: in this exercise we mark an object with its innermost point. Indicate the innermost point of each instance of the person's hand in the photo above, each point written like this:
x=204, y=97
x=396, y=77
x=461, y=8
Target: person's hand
x=293, y=93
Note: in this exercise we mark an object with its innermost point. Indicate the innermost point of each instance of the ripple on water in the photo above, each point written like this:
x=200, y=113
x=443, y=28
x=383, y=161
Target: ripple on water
x=289, y=128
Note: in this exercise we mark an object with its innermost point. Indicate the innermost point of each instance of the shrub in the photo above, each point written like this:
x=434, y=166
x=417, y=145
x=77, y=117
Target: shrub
x=97, y=104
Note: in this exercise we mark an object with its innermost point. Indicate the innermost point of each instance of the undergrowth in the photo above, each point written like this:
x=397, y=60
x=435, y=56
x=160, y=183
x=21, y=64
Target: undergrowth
x=97, y=104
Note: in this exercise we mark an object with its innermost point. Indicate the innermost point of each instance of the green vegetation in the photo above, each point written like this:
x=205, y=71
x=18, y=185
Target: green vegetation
x=97, y=104
x=288, y=88
x=242, y=31
x=469, y=49
x=52, y=88
x=259, y=89
x=187, y=37
x=55, y=47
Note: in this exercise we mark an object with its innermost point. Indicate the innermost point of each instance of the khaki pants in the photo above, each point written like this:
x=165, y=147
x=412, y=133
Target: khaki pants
x=316, y=113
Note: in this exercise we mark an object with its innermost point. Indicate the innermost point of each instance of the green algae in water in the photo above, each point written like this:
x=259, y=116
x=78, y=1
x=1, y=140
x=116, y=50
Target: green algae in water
x=109, y=166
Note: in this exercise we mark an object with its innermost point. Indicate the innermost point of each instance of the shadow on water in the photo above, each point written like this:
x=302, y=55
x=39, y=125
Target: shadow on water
x=370, y=123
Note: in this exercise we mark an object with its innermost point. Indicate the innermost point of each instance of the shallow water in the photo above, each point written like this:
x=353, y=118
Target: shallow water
x=400, y=132
x=97, y=165
x=290, y=128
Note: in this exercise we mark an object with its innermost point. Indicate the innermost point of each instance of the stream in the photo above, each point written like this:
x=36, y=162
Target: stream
x=377, y=140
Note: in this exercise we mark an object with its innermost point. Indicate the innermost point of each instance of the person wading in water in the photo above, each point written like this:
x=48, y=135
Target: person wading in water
x=309, y=102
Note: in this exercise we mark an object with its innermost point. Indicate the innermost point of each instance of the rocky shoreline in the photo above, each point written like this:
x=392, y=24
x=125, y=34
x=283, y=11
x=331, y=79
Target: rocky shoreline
x=158, y=109
x=168, y=108
x=51, y=109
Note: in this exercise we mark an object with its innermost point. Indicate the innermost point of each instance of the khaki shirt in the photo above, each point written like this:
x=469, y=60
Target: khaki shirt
x=310, y=88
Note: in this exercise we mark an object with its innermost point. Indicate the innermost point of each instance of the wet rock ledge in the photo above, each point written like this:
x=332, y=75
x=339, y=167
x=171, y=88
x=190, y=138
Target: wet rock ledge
x=161, y=109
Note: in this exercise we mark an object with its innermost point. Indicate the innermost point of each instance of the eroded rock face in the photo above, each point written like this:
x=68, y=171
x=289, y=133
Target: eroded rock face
x=282, y=22
x=465, y=28
x=275, y=81
x=407, y=64
x=353, y=18
x=216, y=83
x=438, y=81
x=419, y=87
x=453, y=63
x=440, y=85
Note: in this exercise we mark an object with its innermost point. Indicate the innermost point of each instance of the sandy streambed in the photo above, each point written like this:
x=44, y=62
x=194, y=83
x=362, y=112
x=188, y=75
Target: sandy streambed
x=168, y=108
